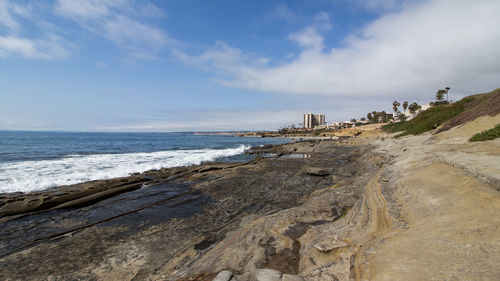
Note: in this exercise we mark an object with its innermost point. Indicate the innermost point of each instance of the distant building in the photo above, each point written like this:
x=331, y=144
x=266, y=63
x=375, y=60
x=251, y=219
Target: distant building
x=313, y=120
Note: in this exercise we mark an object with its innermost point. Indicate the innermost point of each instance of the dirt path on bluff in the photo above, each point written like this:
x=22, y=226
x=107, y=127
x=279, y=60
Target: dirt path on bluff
x=452, y=231
x=444, y=205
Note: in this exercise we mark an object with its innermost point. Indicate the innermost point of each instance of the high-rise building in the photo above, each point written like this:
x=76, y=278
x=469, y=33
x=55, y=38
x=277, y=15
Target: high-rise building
x=313, y=120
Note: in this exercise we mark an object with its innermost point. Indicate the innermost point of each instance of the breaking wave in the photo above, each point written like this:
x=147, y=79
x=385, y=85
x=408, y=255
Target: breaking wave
x=26, y=176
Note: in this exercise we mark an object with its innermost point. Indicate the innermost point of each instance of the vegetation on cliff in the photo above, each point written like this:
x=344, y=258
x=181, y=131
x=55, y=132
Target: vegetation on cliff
x=490, y=134
x=449, y=115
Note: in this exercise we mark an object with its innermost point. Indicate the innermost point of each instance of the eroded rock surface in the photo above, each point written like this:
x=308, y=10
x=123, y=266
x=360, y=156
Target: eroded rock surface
x=165, y=224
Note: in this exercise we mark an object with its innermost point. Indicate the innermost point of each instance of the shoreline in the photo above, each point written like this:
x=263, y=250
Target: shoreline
x=71, y=159
x=195, y=205
x=62, y=196
x=356, y=208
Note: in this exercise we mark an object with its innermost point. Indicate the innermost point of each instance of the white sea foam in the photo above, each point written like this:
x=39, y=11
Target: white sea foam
x=28, y=176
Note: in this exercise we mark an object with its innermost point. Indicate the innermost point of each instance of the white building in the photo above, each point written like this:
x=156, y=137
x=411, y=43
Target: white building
x=313, y=120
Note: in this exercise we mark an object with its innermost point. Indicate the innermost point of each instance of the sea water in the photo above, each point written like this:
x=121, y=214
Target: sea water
x=32, y=161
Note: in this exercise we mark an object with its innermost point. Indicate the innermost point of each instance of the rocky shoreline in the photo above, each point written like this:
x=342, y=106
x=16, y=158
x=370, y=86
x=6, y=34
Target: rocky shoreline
x=366, y=208
x=163, y=224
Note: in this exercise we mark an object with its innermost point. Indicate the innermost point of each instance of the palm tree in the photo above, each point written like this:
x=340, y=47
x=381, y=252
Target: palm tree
x=414, y=107
x=405, y=106
x=395, y=105
x=446, y=92
x=440, y=95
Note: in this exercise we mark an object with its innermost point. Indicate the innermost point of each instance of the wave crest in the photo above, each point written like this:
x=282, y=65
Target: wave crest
x=26, y=176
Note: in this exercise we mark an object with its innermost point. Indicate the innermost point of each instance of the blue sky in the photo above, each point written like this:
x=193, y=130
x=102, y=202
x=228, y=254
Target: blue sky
x=138, y=65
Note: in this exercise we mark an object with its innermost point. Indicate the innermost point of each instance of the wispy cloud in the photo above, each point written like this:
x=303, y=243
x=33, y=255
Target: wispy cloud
x=87, y=9
x=9, y=12
x=124, y=30
x=46, y=46
x=214, y=120
x=308, y=38
x=282, y=12
x=123, y=22
x=126, y=23
x=223, y=60
x=424, y=46
x=379, y=5
x=49, y=47
x=23, y=47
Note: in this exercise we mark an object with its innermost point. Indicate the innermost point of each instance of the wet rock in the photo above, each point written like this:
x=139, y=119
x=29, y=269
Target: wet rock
x=159, y=217
x=224, y=275
x=209, y=168
x=319, y=172
x=265, y=275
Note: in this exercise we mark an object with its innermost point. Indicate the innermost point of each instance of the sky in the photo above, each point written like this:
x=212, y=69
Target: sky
x=161, y=66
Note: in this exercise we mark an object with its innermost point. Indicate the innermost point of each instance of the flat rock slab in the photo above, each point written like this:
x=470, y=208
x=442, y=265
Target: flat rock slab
x=289, y=277
x=133, y=234
x=329, y=245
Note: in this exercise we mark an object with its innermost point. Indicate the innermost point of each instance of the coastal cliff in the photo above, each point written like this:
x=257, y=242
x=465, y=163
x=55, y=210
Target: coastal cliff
x=370, y=207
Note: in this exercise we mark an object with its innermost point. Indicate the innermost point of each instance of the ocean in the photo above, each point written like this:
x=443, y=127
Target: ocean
x=31, y=161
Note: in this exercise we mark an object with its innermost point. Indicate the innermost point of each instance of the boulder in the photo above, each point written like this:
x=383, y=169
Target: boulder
x=265, y=275
x=224, y=275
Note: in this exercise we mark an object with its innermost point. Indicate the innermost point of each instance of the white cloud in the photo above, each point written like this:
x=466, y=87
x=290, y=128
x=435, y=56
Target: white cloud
x=8, y=12
x=123, y=30
x=88, y=9
x=46, y=46
x=24, y=47
x=149, y=10
x=308, y=38
x=6, y=18
x=423, y=47
x=124, y=22
x=120, y=21
x=46, y=49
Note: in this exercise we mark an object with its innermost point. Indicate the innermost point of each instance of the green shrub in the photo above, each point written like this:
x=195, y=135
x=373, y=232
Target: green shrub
x=429, y=119
x=393, y=127
x=490, y=134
